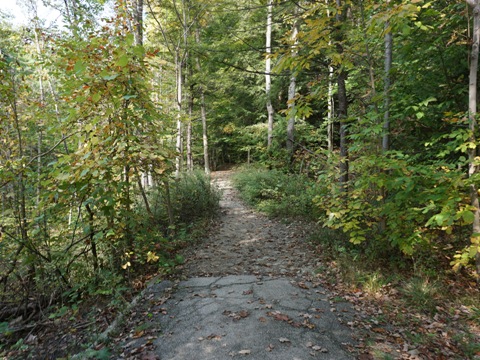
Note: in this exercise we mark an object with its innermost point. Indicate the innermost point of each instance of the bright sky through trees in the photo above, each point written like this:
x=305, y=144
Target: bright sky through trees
x=18, y=13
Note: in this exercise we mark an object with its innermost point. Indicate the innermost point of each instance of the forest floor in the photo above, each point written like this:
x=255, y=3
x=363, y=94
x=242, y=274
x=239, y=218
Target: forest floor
x=256, y=288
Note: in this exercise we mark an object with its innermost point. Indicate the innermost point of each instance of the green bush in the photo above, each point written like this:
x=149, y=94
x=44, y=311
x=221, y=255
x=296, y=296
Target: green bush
x=277, y=193
x=191, y=198
x=194, y=197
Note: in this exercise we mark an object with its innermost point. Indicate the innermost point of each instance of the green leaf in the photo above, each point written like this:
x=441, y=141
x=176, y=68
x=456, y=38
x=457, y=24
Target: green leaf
x=79, y=67
x=110, y=77
x=468, y=216
x=122, y=61
x=139, y=51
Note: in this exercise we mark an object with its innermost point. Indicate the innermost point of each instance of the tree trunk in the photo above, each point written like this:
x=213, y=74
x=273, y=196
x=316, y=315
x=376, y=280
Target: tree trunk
x=292, y=90
x=179, y=145
x=342, y=105
x=203, y=112
x=204, y=130
x=472, y=113
x=189, y=131
x=138, y=21
x=330, y=102
x=386, y=91
x=268, y=69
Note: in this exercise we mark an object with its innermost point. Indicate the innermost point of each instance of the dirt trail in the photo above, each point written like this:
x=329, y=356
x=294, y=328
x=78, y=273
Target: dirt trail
x=248, y=242
x=249, y=292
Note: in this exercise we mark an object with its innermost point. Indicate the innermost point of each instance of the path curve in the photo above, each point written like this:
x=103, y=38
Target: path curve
x=249, y=292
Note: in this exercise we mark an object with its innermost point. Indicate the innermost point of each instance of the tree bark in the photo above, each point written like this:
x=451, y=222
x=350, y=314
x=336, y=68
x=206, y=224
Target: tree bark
x=268, y=69
x=330, y=102
x=292, y=90
x=190, y=131
x=472, y=114
x=138, y=21
x=203, y=112
x=342, y=104
x=386, y=91
x=179, y=143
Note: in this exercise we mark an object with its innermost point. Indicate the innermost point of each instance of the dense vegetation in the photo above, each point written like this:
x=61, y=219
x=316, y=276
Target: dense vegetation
x=370, y=130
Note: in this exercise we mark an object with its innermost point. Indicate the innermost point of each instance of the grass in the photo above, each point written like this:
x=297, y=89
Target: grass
x=422, y=294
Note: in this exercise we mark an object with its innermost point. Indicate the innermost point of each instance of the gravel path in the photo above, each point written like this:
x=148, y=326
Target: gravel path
x=249, y=291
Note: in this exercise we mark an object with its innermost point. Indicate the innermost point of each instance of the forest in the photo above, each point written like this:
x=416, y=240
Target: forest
x=358, y=115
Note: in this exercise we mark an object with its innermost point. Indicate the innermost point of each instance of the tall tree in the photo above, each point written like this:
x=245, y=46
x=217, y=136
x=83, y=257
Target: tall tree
x=292, y=86
x=472, y=120
x=203, y=111
x=342, y=97
x=268, y=69
x=387, y=84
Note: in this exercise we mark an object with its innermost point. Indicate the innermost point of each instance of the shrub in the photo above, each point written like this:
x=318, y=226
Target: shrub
x=277, y=193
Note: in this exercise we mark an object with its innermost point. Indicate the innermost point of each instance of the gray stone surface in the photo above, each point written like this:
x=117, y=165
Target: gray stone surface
x=246, y=316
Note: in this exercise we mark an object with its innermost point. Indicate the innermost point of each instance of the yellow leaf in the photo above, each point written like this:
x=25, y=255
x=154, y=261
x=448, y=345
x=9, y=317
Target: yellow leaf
x=152, y=257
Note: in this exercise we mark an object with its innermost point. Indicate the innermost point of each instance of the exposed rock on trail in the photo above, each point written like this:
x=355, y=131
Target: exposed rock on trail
x=249, y=292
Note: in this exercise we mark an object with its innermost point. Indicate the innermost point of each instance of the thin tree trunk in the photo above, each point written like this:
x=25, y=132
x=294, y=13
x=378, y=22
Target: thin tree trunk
x=93, y=243
x=144, y=195
x=204, y=132
x=330, y=102
x=168, y=202
x=472, y=113
x=138, y=21
x=387, y=85
x=179, y=145
x=203, y=112
x=268, y=69
x=330, y=111
x=292, y=90
x=189, y=132
x=342, y=105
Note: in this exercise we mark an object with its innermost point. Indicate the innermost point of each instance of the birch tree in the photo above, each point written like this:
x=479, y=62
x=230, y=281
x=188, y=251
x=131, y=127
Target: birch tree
x=268, y=69
x=472, y=120
x=342, y=100
x=203, y=112
x=292, y=87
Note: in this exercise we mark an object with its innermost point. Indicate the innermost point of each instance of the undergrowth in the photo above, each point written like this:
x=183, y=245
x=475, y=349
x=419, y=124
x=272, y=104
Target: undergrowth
x=276, y=193
x=180, y=213
x=419, y=286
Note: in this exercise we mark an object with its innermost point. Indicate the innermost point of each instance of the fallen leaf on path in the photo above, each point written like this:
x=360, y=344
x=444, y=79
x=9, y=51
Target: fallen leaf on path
x=270, y=347
x=138, y=334
x=243, y=313
x=150, y=356
x=277, y=315
x=236, y=316
x=214, y=337
x=244, y=352
x=262, y=319
x=284, y=340
x=303, y=286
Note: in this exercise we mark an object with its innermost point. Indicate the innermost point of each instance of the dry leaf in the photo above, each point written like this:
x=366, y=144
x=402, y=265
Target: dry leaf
x=244, y=352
